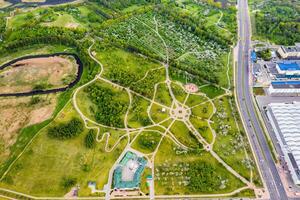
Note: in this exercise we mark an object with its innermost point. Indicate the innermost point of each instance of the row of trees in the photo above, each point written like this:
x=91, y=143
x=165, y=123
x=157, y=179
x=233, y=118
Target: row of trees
x=121, y=4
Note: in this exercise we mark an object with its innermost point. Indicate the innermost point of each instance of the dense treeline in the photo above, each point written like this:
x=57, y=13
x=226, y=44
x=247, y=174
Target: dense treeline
x=121, y=4
x=109, y=107
x=279, y=21
x=200, y=69
x=66, y=130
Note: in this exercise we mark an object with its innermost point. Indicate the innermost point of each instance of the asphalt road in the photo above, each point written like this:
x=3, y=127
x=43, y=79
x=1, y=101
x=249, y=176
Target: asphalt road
x=246, y=105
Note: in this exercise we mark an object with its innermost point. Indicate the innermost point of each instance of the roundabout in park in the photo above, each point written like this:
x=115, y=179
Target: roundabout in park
x=180, y=112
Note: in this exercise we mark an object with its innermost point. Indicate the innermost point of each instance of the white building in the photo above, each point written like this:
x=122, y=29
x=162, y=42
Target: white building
x=285, y=118
x=284, y=88
x=291, y=52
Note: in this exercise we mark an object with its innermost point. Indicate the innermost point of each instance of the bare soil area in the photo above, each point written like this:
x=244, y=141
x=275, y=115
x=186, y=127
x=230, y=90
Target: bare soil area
x=38, y=73
x=17, y=113
x=4, y=4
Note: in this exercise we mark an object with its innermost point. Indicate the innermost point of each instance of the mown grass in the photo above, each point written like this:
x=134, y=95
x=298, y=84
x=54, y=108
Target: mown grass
x=47, y=161
x=147, y=141
x=212, y=91
x=184, y=136
x=170, y=156
x=157, y=113
x=230, y=142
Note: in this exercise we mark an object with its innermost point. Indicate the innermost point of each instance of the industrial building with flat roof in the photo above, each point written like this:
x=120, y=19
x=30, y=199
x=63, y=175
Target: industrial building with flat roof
x=291, y=52
x=285, y=78
x=285, y=118
x=284, y=88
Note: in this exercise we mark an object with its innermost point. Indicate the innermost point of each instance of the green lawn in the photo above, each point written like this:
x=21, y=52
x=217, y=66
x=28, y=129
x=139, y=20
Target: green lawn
x=47, y=161
x=203, y=128
x=64, y=20
x=203, y=111
x=157, y=113
x=163, y=95
x=172, y=170
x=183, y=135
x=147, y=141
x=179, y=92
x=194, y=100
x=138, y=116
x=212, y=91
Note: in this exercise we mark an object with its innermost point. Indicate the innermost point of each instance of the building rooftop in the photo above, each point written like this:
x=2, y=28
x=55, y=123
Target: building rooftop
x=289, y=66
x=285, y=84
x=291, y=49
x=286, y=117
x=128, y=173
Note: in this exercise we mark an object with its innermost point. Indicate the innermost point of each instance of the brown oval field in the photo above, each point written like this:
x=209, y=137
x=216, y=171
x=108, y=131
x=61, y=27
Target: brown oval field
x=38, y=73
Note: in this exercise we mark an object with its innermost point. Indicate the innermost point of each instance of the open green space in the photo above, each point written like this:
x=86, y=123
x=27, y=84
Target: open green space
x=184, y=135
x=137, y=56
x=147, y=141
x=45, y=165
x=175, y=167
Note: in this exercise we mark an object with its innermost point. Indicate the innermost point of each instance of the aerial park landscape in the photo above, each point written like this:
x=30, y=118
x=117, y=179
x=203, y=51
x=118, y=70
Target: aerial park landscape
x=122, y=99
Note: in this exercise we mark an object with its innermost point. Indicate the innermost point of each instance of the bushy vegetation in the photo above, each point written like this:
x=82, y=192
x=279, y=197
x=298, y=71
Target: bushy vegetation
x=277, y=21
x=66, y=130
x=121, y=4
x=265, y=54
x=109, y=107
x=203, y=177
x=147, y=141
x=90, y=139
x=68, y=182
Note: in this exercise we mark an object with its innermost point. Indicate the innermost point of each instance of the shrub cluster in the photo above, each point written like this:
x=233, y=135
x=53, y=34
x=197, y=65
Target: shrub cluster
x=66, y=130
x=90, y=139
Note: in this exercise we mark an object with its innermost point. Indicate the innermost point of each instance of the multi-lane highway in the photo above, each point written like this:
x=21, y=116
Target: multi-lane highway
x=246, y=106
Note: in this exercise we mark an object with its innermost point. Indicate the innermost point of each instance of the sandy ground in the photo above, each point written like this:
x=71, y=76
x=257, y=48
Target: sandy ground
x=72, y=25
x=4, y=4
x=24, y=75
x=17, y=113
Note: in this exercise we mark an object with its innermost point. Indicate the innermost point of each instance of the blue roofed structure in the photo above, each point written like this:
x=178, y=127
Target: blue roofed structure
x=288, y=68
x=293, y=66
x=127, y=174
x=253, y=56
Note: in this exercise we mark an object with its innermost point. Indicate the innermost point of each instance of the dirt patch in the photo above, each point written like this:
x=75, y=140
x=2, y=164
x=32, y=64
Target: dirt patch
x=17, y=113
x=191, y=88
x=4, y=4
x=41, y=73
x=72, y=25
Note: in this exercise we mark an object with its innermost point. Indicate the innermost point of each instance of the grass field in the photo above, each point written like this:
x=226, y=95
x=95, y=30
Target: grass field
x=171, y=174
x=64, y=20
x=60, y=159
x=148, y=53
x=17, y=113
